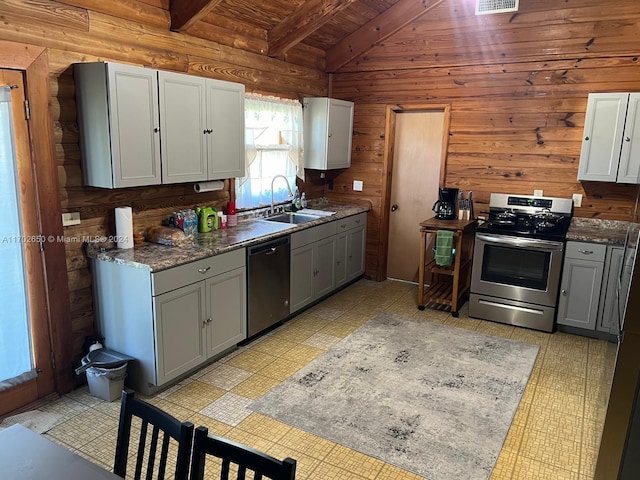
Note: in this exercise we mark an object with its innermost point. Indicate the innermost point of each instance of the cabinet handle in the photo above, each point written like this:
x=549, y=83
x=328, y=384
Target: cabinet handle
x=563, y=291
x=586, y=252
x=627, y=139
x=204, y=270
x=156, y=129
x=209, y=320
x=586, y=138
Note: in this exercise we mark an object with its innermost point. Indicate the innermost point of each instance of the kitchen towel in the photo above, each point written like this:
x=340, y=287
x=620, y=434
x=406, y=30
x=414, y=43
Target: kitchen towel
x=124, y=227
x=208, y=186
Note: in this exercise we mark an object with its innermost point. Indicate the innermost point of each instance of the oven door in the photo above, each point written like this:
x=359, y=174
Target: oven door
x=517, y=268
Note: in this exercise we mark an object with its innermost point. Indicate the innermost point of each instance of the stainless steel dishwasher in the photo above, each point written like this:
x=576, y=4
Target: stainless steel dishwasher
x=267, y=284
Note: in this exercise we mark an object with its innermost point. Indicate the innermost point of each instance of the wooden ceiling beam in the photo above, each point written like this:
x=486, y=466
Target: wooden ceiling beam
x=185, y=13
x=301, y=23
x=376, y=30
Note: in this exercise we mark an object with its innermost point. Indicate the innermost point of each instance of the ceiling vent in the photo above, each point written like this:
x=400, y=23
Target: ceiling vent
x=496, y=6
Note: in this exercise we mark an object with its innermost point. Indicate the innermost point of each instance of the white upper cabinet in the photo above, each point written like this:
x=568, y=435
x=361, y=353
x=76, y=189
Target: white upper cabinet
x=183, y=120
x=142, y=126
x=611, y=140
x=225, y=126
x=328, y=132
x=119, y=124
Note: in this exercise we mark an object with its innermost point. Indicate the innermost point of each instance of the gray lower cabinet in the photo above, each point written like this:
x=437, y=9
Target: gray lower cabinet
x=581, y=284
x=615, y=290
x=312, y=264
x=350, y=248
x=174, y=320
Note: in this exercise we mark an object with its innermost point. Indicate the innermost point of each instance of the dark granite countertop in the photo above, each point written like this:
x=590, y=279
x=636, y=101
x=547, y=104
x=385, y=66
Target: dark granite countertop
x=249, y=231
x=612, y=232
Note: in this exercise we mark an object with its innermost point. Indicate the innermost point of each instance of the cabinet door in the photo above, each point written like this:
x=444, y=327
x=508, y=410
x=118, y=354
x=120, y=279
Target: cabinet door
x=180, y=323
x=608, y=315
x=225, y=119
x=183, y=124
x=629, y=170
x=226, y=310
x=580, y=293
x=356, y=252
x=341, y=258
x=302, y=276
x=340, y=134
x=602, y=138
x=324, y=266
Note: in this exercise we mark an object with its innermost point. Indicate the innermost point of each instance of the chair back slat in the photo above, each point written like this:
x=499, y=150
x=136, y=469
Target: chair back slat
x=164, y=427
x=245, y=458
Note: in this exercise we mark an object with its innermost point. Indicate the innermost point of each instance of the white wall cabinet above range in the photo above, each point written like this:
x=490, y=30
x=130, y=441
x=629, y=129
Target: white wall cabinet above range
x=328, y=133
x=611, y=140
x=141, y=126
x=119, y=124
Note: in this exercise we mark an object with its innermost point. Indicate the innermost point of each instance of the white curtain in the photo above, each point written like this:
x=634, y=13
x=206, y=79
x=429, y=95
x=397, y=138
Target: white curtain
x=15, y=343
x=273, y=146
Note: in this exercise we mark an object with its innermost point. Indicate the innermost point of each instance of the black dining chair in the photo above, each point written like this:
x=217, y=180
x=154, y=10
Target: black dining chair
x=234, y=457
x=153, y=447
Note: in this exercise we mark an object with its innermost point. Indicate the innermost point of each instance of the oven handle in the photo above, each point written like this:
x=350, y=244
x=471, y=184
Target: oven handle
x=521, y=242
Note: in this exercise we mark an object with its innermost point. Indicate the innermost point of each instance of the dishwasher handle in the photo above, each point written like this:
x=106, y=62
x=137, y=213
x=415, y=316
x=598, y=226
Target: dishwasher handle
x=268, y=248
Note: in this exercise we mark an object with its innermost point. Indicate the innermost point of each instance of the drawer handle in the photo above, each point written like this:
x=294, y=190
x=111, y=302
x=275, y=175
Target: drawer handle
x=204, y=270
x=586, y=252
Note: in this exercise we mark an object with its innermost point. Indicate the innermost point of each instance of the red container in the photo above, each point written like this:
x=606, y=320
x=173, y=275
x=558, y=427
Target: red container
x=231, y=208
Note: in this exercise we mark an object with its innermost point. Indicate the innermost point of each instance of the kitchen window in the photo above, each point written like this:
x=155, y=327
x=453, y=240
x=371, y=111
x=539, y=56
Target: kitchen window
x=273, y=145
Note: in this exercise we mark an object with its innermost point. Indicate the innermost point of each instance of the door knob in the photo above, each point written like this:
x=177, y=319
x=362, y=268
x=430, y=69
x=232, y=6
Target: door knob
x=394, y=207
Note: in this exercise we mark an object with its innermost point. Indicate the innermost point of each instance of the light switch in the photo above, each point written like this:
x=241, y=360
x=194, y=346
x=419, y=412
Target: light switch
x=69, y=219
x=357, y=185
x=538, y=193
x=577, y=199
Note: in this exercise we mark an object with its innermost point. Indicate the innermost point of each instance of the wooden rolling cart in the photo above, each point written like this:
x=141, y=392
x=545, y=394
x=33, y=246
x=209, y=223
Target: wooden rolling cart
x=448, y=284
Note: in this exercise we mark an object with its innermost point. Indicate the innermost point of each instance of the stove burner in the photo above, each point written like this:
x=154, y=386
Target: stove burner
x=528, y=216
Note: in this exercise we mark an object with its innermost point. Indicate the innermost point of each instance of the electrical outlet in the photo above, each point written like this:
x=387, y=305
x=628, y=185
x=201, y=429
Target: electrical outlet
x=577, y=199
x=538, y=193
x=69, y=219
x=357, y=185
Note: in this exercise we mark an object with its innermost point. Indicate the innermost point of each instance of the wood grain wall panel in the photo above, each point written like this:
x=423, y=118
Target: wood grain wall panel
x=517, y=85
x=137, y=11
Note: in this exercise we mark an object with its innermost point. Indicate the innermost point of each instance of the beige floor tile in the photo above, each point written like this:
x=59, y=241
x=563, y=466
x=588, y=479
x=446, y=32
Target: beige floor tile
x=281, y=369
x=528, y=469
x=460, y=322
x=274, y=346
x=303, y=353
x=214, y=426
x=251, y=360
x=264, y=427
x=195, y=395
x=312, y=445
x=225, y=377
x=496, y=329
x=322, y=341
x=558, y=452
x=305, y=464
x=83, y=428
x=338, y=329
x=353, y=461
x=293, y=333
x=255, y=386
x=503, y=469
x=391, y=472
x=308, y=321
x=249, y=439
x=326, y=471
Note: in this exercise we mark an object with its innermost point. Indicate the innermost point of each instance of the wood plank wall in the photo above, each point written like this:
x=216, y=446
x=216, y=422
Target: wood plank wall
x=517, y=84
x=137, y=32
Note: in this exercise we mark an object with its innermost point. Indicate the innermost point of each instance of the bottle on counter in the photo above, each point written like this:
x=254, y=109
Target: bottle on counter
x=303, y=200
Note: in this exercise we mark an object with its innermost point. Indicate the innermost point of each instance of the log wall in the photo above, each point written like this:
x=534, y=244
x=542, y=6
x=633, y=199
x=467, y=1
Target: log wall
x=137, y=32
x=517, y=84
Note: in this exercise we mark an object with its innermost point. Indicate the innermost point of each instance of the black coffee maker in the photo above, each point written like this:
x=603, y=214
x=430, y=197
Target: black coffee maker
x=445, y=207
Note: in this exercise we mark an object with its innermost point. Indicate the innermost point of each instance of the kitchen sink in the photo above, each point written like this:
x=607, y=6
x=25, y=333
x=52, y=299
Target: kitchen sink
x=292, y=217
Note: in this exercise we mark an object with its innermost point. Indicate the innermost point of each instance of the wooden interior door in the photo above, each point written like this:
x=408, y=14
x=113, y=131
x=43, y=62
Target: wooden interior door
x=416, y=173
x=43, y=384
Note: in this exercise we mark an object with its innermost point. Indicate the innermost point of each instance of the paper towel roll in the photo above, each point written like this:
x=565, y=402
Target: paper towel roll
x=208, y=186
x=124, y=227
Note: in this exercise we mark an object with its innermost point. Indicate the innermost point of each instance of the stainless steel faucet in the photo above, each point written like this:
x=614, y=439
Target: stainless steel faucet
x=288, y=188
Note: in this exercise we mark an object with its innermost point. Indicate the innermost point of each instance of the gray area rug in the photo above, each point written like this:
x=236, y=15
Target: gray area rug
x=429, y=398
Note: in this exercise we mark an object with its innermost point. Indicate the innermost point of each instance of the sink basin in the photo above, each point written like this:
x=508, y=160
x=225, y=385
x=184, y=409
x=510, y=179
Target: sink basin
x=295, y=218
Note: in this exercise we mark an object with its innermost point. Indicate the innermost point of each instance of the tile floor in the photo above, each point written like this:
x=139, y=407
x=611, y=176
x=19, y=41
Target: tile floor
x=554, y=435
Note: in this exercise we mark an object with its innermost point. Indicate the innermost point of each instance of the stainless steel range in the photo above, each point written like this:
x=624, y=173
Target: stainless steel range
x=517, y=260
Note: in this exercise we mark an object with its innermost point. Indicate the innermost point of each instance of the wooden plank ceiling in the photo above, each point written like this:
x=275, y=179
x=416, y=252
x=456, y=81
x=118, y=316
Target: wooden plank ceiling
x=344, y=29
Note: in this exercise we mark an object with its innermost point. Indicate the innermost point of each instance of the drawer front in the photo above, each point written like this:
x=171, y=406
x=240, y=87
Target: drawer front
x=586, y=251
x=310, y=235
x=177, y=277
x=357, y=221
